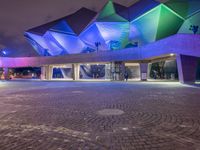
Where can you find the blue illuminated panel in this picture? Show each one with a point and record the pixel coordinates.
(72, 44)
(92, 35)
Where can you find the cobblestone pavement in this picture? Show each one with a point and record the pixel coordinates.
(99, 116)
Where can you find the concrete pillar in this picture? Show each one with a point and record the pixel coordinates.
(143, 71)
(43, 70)
(46, 72)
(187, 67)
(6, 73)
(49, 72)
(122, 71)
(76, 71)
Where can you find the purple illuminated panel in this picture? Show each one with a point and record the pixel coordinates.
(39, 39)
(116, 32)
(45, 44)
(92, 35)
(72, 44)
(62, 27)
(53, 45)
(36, 46)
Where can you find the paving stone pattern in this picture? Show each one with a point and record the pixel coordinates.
(99, 116)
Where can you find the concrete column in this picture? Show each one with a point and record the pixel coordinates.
(122, 71)
(46, 72)
(50, 74)
(6, 73)
(187, 67)
(43, 72)
(143, 71)
(76, 71)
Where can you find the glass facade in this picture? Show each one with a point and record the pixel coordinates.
(64, 72)
(163, 70)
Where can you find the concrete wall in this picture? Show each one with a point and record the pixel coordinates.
(185, 44)
(178, 45)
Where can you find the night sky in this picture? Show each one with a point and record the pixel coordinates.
(16, 16)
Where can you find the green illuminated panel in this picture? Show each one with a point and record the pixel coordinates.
(188, 25)
(108, 14)
(169, 23)
(107, 10)
(112, 18)
(114, 32)
(160, 22)
(185, 8)
(143, 29)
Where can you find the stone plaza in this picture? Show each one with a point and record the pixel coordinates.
(99, 116)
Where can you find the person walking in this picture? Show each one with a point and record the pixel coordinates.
(126, 76)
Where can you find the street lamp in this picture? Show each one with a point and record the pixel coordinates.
(3, 52)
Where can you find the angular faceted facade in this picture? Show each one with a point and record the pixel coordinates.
(157, 23)
(61, 37)
(108, 28)
(190, 11)
(185, 8)
(191, 25)
(115, 27)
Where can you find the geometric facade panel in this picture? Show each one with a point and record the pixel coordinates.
(141, 7)
(91, 36)
(115, 27)
(115, 34)
(144, 29)
(191, 25)
(169, 23)
(38, 42)
(107, 10)
(185, 8)
(62, 27)
(54, 47)
(66, 40)
(158, 23)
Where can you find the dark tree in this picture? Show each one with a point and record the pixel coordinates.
(194, 29)
(97, 44)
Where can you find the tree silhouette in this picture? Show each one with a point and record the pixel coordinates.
(194, 29)
(97, 44)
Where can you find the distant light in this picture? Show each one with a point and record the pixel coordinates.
(172, 54)
(125, 129)
(4, 52)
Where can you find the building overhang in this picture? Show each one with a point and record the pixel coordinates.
(179, 44)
